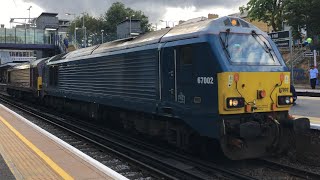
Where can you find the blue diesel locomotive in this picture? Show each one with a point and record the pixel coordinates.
(220, 79)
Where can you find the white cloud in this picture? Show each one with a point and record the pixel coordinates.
(168, 10)
(17, 9)
(174, 15)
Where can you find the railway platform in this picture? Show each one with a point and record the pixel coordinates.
(305, 90)
(308, 92)
(29, 152)
(314, 121)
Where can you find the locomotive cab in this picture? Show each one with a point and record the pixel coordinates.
(227, 80)
(254, 96)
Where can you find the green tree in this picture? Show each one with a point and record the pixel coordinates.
(107, 22)
(118, 13)
(304, 14)
(268, 11)
(92, 25)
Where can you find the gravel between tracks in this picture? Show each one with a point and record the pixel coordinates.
(309, 160)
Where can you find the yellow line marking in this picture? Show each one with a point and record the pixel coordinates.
(49, 161)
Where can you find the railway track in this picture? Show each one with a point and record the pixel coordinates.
(159, 165)
(287, 169)
(159, 162)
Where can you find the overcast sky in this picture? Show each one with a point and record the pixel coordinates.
(168, 10)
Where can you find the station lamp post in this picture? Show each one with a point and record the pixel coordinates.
(156, 26)
(130, 18)
(29, 9)
(168, 23)
(165, 22)
(75, 25)
(84, 30)
(95, 35)
(172, 23)
(102, 36)
(90, 40)
(75, 35)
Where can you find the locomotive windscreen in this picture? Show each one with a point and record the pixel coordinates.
(249, 49)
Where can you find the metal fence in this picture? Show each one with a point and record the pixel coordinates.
(26, 36)
(300, 76)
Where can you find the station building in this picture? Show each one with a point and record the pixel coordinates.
(31, 39)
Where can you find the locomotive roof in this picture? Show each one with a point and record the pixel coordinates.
(36, 62)
(148, 38)
(25, 65)
(183, 31)
(8, 65)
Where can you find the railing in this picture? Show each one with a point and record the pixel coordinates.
(23, 58)
(296, 58)
(26, 36)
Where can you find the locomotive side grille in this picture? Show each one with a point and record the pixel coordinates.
(131, 76)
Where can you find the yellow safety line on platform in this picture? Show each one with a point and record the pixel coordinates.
(52, 164)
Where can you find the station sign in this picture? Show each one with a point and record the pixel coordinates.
(281, 38)
(280, 35)
(310, 54)
(283, 43)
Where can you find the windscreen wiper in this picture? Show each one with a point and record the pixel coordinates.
(225, 47)
(225, 42)
(268, 50)
(265, 46)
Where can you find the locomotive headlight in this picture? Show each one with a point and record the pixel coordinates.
(230, 102)
(291, 100)
(285, 100)
(235, 102)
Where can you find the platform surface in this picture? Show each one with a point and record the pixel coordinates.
(314, 121)
(29, 152)
(5, 172)
(308, 90)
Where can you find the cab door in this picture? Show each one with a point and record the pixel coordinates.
(196, 78)
(168, 74)
(185, 75)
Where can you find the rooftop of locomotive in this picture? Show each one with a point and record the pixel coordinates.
(182, 31)
(36, 62)
(27, 65)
